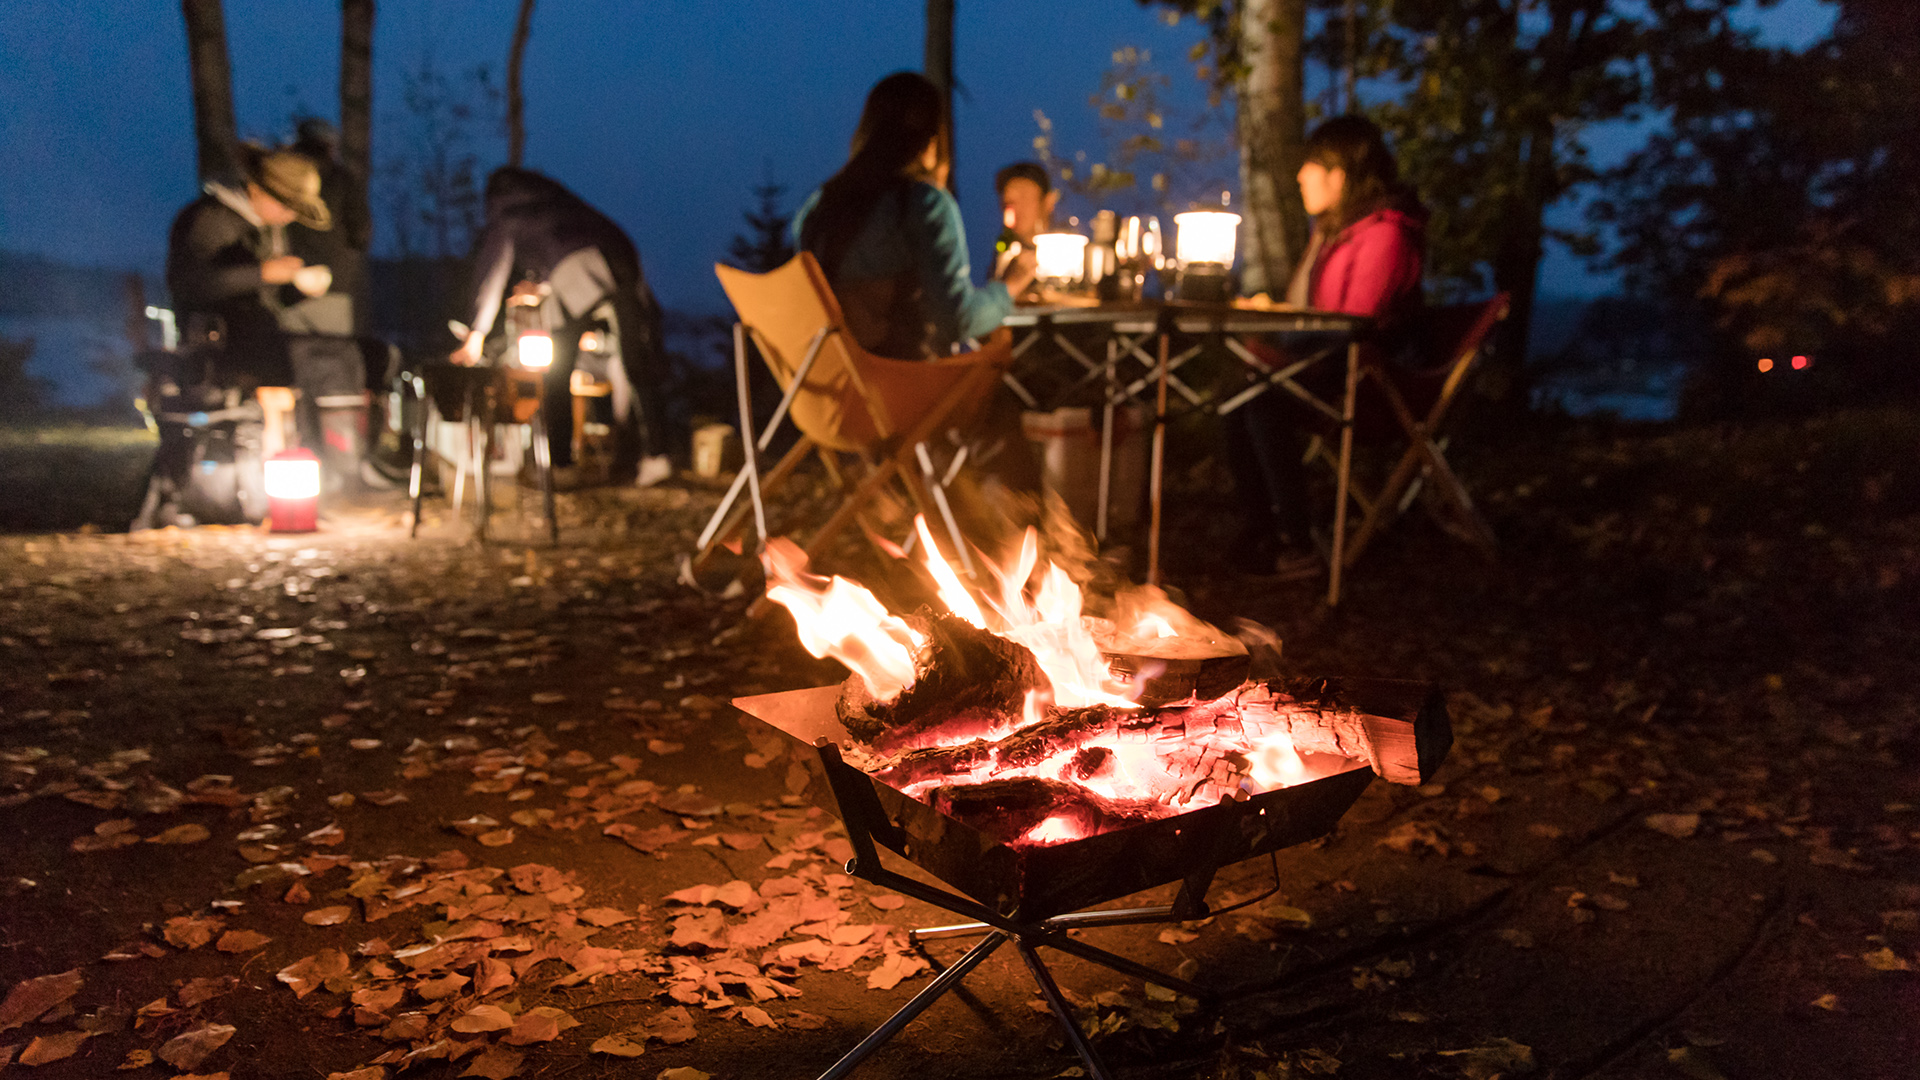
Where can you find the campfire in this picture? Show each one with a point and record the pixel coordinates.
(1016, 713)
(1042, 759)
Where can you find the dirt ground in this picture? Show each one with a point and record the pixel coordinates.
(351, 803)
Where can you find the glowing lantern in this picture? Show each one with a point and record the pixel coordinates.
(293, 491)
(1062, 257)
(1203, 248)
(536, 350)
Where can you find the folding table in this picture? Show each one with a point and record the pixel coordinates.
(1129, 371)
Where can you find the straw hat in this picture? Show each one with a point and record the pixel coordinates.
(292, 179)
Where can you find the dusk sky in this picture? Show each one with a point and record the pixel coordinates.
(663, 115)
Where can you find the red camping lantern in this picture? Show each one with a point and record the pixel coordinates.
(293, 490)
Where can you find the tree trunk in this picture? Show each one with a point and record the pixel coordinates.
(216, 135)
(516, 104)
(1272, 124)
(1516, 266)
(939, 63)
(356, 115)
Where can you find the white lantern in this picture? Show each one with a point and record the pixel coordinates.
(1062, 256)
(536, 350)
(293, 474)
(1205, 236)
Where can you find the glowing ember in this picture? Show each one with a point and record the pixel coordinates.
(1042, 741)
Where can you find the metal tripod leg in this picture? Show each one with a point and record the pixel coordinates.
(942, 983)
(1062, 1012)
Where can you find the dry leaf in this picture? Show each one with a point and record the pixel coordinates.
(619, 1046)
(1678, 826)
(491, 975)
(1503, 1057)
(497, 1063)
(47, 1048)
(309, 973)
(327, 916)
(191, 931)
(893, 969)
(887, 902)
(683, 1072)
(1173, 935)
(188, 1049)
(757, 1016)
(31, 999)
(136, 1059)
(496, 838)
(445, 986)
(241, 941)
(1829, 1002)
(181, 834)
(805, 1021)
(673, 1026)
(195, 991)
(483, 1018)
(1885, 959)
(605, 916)
(543, 1023)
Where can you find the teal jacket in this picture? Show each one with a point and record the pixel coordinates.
(905, 283)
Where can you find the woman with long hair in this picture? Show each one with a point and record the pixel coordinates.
(889, 235)
(1365, 257)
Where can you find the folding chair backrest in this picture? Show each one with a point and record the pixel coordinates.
(1450, 339)
(851, 400)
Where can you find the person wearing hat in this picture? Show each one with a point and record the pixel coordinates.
(228, 267)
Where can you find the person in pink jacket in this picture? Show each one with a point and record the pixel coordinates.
(1365, 257)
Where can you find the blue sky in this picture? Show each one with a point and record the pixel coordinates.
(661, 114)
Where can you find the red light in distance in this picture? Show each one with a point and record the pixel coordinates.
(1766, 364)
(1800, 363)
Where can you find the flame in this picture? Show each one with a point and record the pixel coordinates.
(1054, 830)
(1274, 763)
(1154, 625)
(840, 619)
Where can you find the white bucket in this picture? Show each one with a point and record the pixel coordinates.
(1068, 441)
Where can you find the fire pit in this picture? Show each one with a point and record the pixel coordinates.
(1041, 761)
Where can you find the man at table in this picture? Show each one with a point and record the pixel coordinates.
(1027, 199)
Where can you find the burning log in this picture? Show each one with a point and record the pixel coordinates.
(1398, 726)
(1041, 810)
(964, 678)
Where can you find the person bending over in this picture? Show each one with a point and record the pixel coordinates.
(536, 228)
(1365, 257)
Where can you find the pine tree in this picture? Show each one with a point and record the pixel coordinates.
(766, 245)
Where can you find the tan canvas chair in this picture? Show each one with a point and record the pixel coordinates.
(868, 418)
(1408, 409)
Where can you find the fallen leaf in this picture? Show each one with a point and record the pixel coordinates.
(188, 1049)
(888, 901)
(136, 1059)
(483, 1018)
(327, 916)
(1417, 834)
(1829, 1002)
(191, 931)
(496, 838)
(1885, 959)
(31, 999)
(1173, 935)
(543, 1023)
(757, 1016)
(605, 916)
(1503, 1057)
(309, 973)
(445, 986)
(195, 991)
(241, 941)
(181, 834)
(672, 1026)
(683, 1072)
(1692, 1062)
(1519, 939)
(496, 1063)
(893, 969)
(491, 975)
(619, 1046)
(47, 1048)
(1678, 826)
(804, 1021)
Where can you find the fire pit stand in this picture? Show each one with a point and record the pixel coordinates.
(1035, 896)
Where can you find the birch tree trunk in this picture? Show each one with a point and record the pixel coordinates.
(939, 63)
(1271, 125)
(216, 135)
(516, 103)
(356, 115)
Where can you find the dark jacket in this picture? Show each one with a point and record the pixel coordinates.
(343, 248)
(532, 224)
(213, 269)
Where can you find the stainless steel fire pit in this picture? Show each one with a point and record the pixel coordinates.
(1347, 730)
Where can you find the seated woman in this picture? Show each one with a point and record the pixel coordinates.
(1365, 258)
(889, 237)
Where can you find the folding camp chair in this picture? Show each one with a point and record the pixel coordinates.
(844, 401)
(1396, 405)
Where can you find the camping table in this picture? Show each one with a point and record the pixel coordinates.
(1129, 371)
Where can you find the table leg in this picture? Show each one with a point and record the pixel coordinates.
(1106, 448)
(1159, 464)
(1345, 475)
